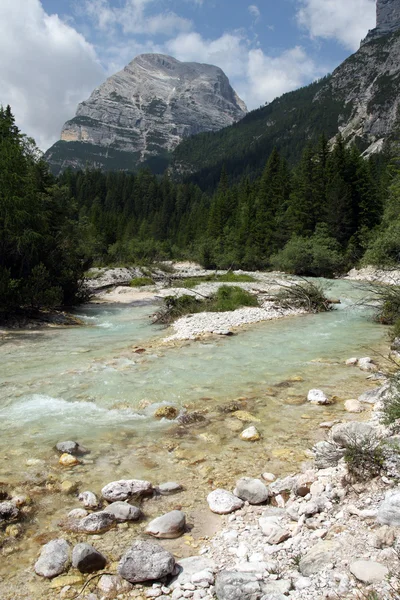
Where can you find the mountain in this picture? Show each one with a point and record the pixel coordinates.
(360, 99)
(139, 115)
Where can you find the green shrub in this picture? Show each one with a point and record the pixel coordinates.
(141, 281)
(387, 300)
(364, 458)
(384, 248)
(305, 295)
(391, 404)
(395, 330)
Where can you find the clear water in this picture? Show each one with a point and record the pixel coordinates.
(89, 384)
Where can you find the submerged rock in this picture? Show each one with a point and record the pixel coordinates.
(252, 490)
(146, 561)
(169, 488)
(122, 512)
(71, 448)
(168, 526)
(54, 559)
(223, 502)
(250, 435)
(68, 460)
(166, 412)
(126, 488)
(8, 511)
(87, 559)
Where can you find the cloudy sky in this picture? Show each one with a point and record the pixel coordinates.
(53, 53)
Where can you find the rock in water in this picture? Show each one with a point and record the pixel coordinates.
(250, 434)
(169, 526)
(223, 502)
(317, 397)
(68, 460)
(87, 559)
(122, 511)
(126, 488)
(8, 511)
(230, 585)
(96, 523)
(88, 499)
(54, 559)
(146, 561)
(145, 111)
(252, 490)
(169, 488)
(71, 448)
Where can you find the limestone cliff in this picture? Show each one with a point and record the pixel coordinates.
(142, 113)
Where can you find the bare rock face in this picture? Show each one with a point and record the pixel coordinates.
(387, 18)
(144, 111)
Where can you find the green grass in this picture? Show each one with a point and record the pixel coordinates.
(191, 282)
(227, 298)
(141, 281)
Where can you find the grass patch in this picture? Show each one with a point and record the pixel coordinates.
(191, 282)
(227, 298)
(305, 295)
(141, 281)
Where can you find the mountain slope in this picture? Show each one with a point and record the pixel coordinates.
(360, 99)
(142, 113)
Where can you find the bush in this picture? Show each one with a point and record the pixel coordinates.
(141, 281)
(364, 458)
(391, 403)
(305, 295)
(386, 300)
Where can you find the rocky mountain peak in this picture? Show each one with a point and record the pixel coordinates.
(387, 19)
(143, 112)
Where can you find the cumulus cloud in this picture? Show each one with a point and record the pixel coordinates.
(254, 11)
(343, 20)
(46, 68)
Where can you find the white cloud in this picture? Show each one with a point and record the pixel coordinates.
(254, 11)
(46, 68)
(346, 21)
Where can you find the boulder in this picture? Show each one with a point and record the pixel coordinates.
(223, 502)
(374, 395)
(96, 523)
(317, 397)
(122, 512)
(146, 561)
(251, 490)
(54, 559)
(169, 488)
(389, 509)
(190, 567)
(320, 556)
(345, 434)
(8, 511)
(273, 531)
(353, 406)
(126, 488)
(71, 448)
(87, 559)
(368, 571)
(268, 477)
(88, 499)
(231, 585)
(367, 364)
(168, 526)
(250, 435)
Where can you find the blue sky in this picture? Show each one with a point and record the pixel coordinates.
(53, 53)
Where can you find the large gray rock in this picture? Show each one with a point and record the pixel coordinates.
(251, 490)
(88, 499)
(317, 397)
(189, 567)
(374, 395)
(8, 511)
(320, 556)
(146, 109)
(54, 559)
(168, 526)
(230, 585)
(345, 434)
(87, 559)
(368, 571)
(274, 532)
(71, 448)
(122, 511)
(126, 488)
(169, 488)
(389, 510)
(96, 523)
(223, 502)
(146, 561)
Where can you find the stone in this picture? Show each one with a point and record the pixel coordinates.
(281, 586)
(168, 526)
(317, 397)
(8, 511)
(385, 537)
(71, 448)
(96, 523)
(166, 412)
(69, 487)
(274, 533)
(353, 406)
(126, 488)
(88, 499)
(250, 435)
(122, 512)
(368, 571)
(54, 559)
(367, 364)
(251, 490)
(68, 460)
(87, 559)
(389, 509)
(230, 585)
(77, 513)
(146, 561)
(352, 362)
(66, 580)
(268, 477)
(373, 396)
(319, 557)
(188, 567)
(246, 417)
(345, 434)
(112, 585)
(303, 483)
(169, 488)
(223, 502)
